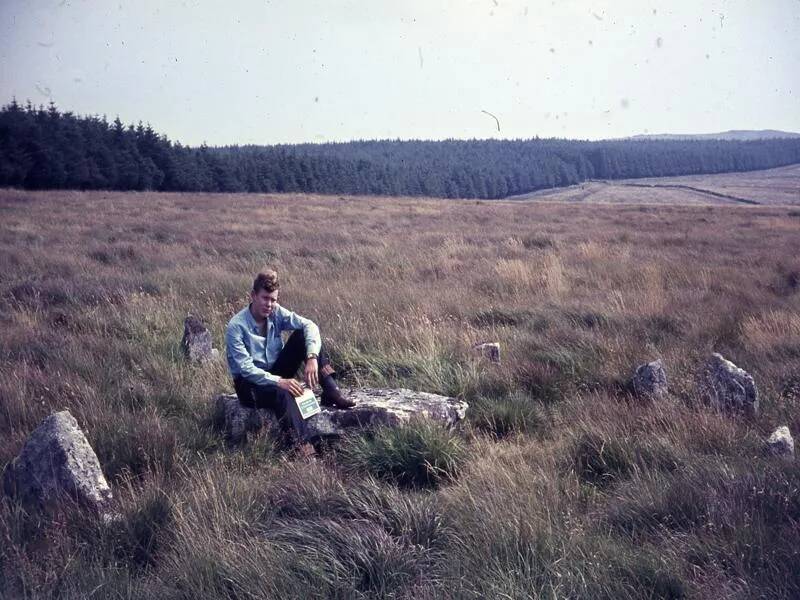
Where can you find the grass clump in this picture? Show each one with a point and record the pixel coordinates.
(633, 571)
(407, 515)
(300, 530)
(737, 519)
(588, 319)
(508, 317)
(502, 417)
(712, 495)
(420, 454)
(535, 241)
(602, 460)
(135, 444)
(347, 556)
(138, 538)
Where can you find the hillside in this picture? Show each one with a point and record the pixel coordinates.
(561, 485)
(779, 186)
(741, 135)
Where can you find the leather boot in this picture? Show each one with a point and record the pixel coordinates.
(332, 395)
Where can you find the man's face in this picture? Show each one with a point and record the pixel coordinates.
(263, 303)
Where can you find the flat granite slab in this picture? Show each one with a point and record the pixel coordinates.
(374, 407)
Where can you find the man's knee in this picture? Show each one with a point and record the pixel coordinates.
(285, 399)
(289, 409)
(297, 338)
(244, 391)
(297, 341)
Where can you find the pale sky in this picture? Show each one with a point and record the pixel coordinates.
(285, 71)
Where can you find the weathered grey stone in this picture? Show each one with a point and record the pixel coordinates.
(781, 443)
(388, 407)
(235, 421)
(196, 342)
(57, 459)
(730, 388)
(488, 350)
(650, 381)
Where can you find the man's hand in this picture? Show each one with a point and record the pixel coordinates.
(312, 376)
(291, 385)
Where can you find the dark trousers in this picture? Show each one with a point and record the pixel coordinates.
(278, 400)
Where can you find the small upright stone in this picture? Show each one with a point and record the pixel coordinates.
(730, 388)
(57, 459)
(196, 342)
(488, 350)
(650, 381)
(781, 443)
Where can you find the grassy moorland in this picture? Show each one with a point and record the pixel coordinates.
(780, 186)
(770, 186)
(559, 486)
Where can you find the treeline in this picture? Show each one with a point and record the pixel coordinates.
(42, 148)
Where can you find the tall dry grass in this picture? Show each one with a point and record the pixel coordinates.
(559, 486)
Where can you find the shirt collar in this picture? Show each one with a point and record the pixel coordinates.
(248, 317)
(251, 322)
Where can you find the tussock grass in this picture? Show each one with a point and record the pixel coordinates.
(417, 454)
(503, 416)
(560, 485)
(603, 460)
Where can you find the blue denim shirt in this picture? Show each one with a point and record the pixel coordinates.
(251, 355)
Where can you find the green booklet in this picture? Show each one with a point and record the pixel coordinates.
(307, 403)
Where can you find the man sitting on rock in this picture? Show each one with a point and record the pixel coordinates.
(263, 367)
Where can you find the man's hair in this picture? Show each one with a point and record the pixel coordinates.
(267, 281)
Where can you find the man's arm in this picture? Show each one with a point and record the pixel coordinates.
(291, 320)
(238, 355)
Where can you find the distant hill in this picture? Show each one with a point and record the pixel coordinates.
(734, 134)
